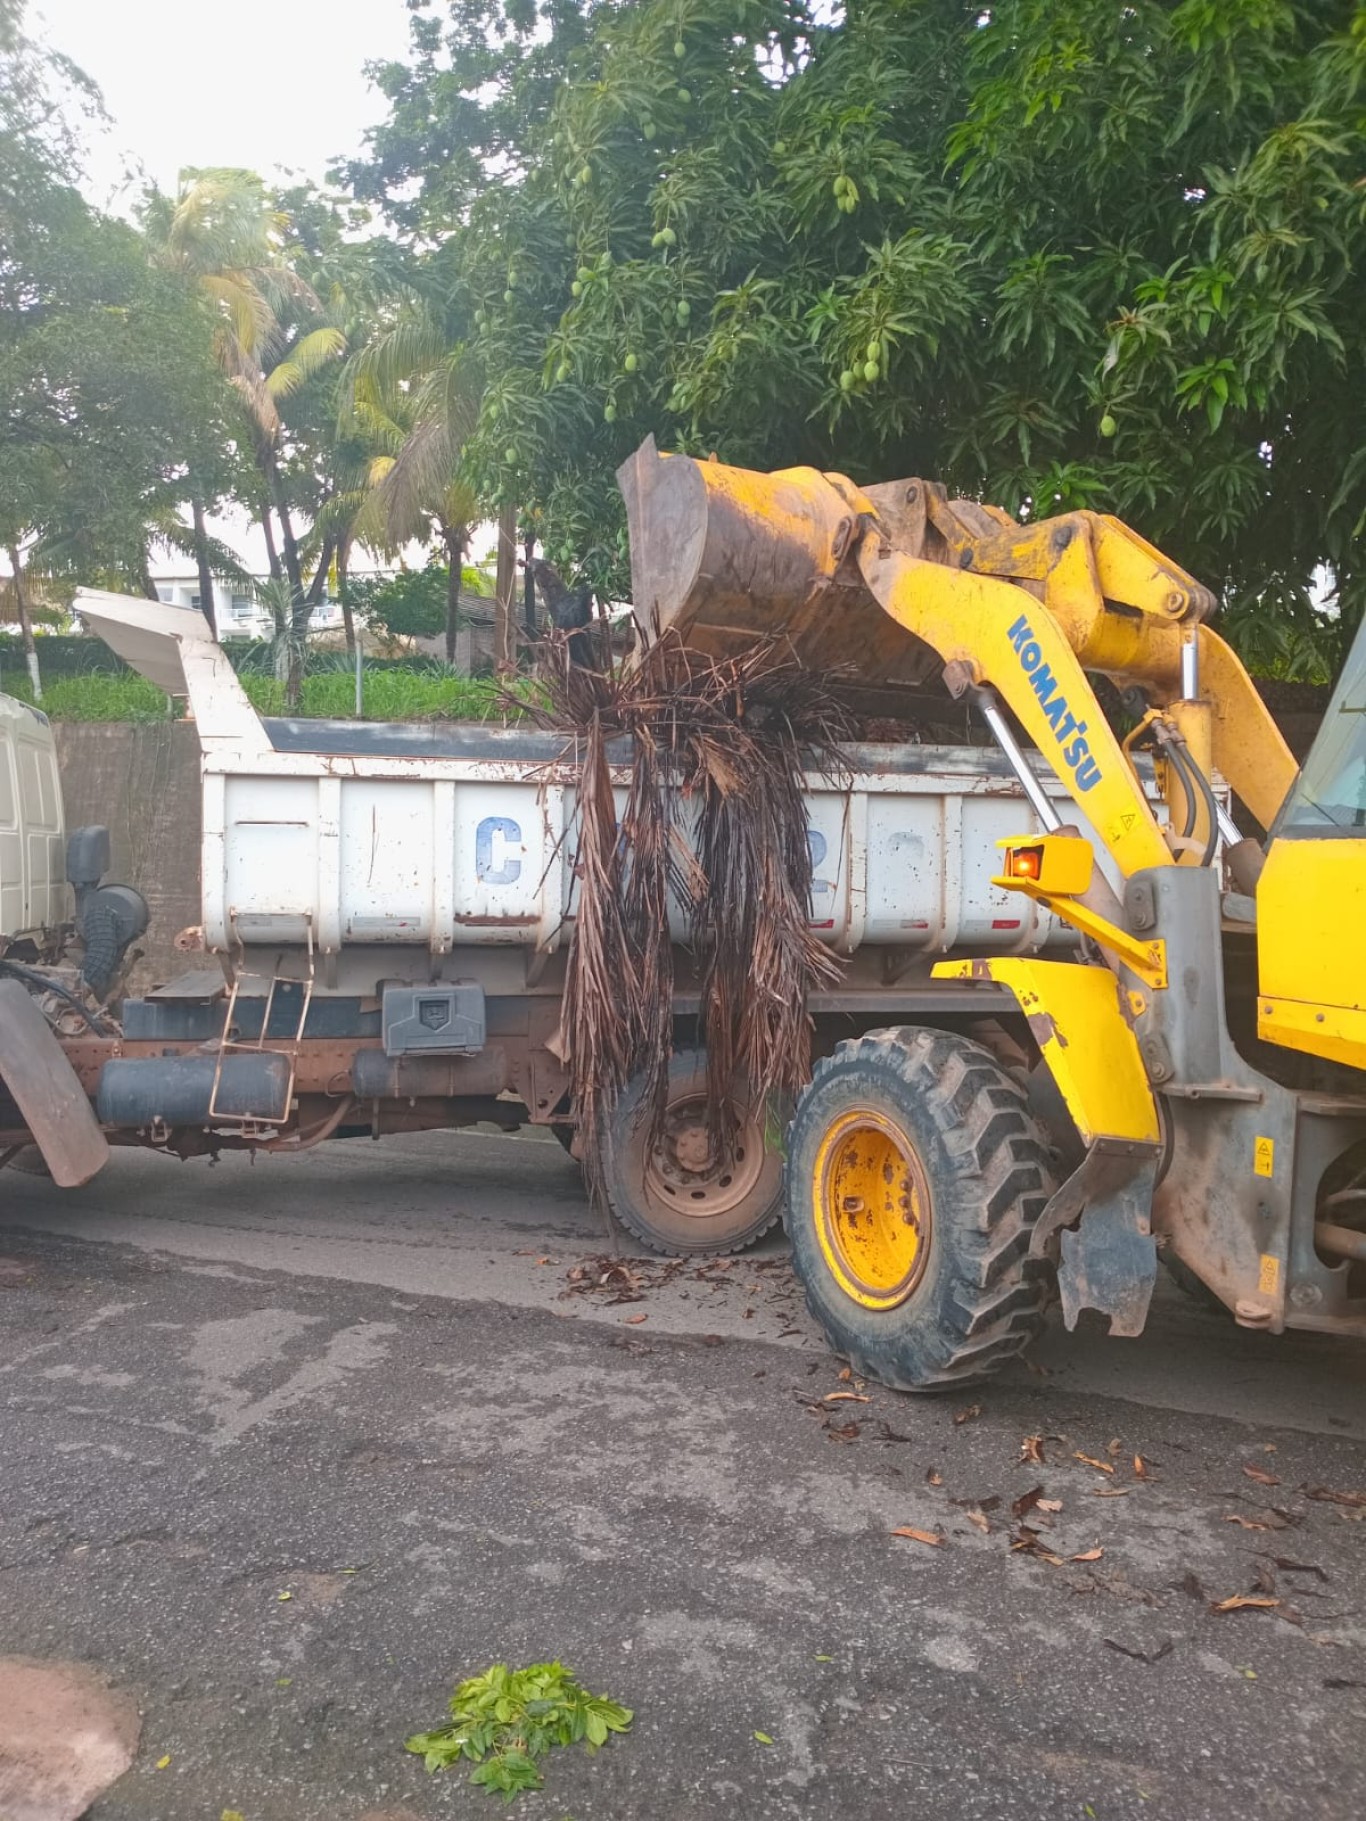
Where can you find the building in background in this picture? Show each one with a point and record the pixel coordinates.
(236, 611)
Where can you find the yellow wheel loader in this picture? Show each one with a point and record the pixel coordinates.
(1208, 1044)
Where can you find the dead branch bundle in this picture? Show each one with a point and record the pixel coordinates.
(713, 826)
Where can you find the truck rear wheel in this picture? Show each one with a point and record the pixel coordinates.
(678, 1195)
(915, 1177)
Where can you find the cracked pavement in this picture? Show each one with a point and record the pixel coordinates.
(366, 1381)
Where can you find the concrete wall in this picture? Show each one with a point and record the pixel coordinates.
(142, 782)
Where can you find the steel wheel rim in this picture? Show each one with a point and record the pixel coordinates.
(873, 1209)
(681, 1174)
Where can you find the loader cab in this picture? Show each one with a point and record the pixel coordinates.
(1311, 897)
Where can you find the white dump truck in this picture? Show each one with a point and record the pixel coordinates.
(386, 910)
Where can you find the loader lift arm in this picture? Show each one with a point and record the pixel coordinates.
(722, 553)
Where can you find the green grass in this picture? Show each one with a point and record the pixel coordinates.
(98, 696)
(387, 695)
(420, 694)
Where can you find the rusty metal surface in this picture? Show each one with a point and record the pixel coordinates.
(47, 1092)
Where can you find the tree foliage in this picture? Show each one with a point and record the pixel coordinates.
(408, 605)
(1057, 255)
(104, 367)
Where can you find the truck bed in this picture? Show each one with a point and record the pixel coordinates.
(339, 835)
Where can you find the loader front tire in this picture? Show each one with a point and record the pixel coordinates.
(915, 1176)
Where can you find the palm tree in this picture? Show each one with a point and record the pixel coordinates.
(223, 235)
(415, 397)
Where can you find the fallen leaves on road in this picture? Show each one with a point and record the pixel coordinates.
(1326, 1496)
(1141, 1468)
(968, 1415)
(934, 1477)
(1164, 1649)
(979, 1520)
(835, 1431)
(1088, 1555)
(1110, 1492)
(611, 1274)
(1089, 1460)
(1290, 1567)
(1239, 1602)
(1260, 1475)
(1027, 1541)
(634, 1321)
(1031, 1450)
(762, 1738)
(933, 1538)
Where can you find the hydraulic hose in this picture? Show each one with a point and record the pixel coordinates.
(1195, 781)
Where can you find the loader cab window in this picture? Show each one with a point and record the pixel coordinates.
(1329, 797)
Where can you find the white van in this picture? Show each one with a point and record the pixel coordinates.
(33, 893)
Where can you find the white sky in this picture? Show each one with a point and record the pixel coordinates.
(259, 83)
(267, 84)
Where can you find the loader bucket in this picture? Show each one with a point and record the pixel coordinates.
(723, 556)
(716, 546)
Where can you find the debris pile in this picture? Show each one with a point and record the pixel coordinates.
(714, 750)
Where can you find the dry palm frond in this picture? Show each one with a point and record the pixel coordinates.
(713, 824)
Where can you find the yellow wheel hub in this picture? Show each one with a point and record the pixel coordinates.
(872, 1206)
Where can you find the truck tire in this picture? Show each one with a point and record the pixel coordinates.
(915, 1177)
(674, 1196)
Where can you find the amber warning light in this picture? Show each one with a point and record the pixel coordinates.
(1024, 862)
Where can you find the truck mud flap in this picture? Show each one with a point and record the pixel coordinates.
(46, 1091)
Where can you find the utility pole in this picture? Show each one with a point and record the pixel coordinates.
(505, 589)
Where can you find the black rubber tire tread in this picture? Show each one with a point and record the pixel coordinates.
(104, 945)
(982, 1298)
(1191, 1285)
(564, 1136)
(629, 1203)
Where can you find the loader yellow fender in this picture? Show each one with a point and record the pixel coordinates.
(1075, 1015)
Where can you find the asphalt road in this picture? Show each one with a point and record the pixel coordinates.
(385, 1382)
